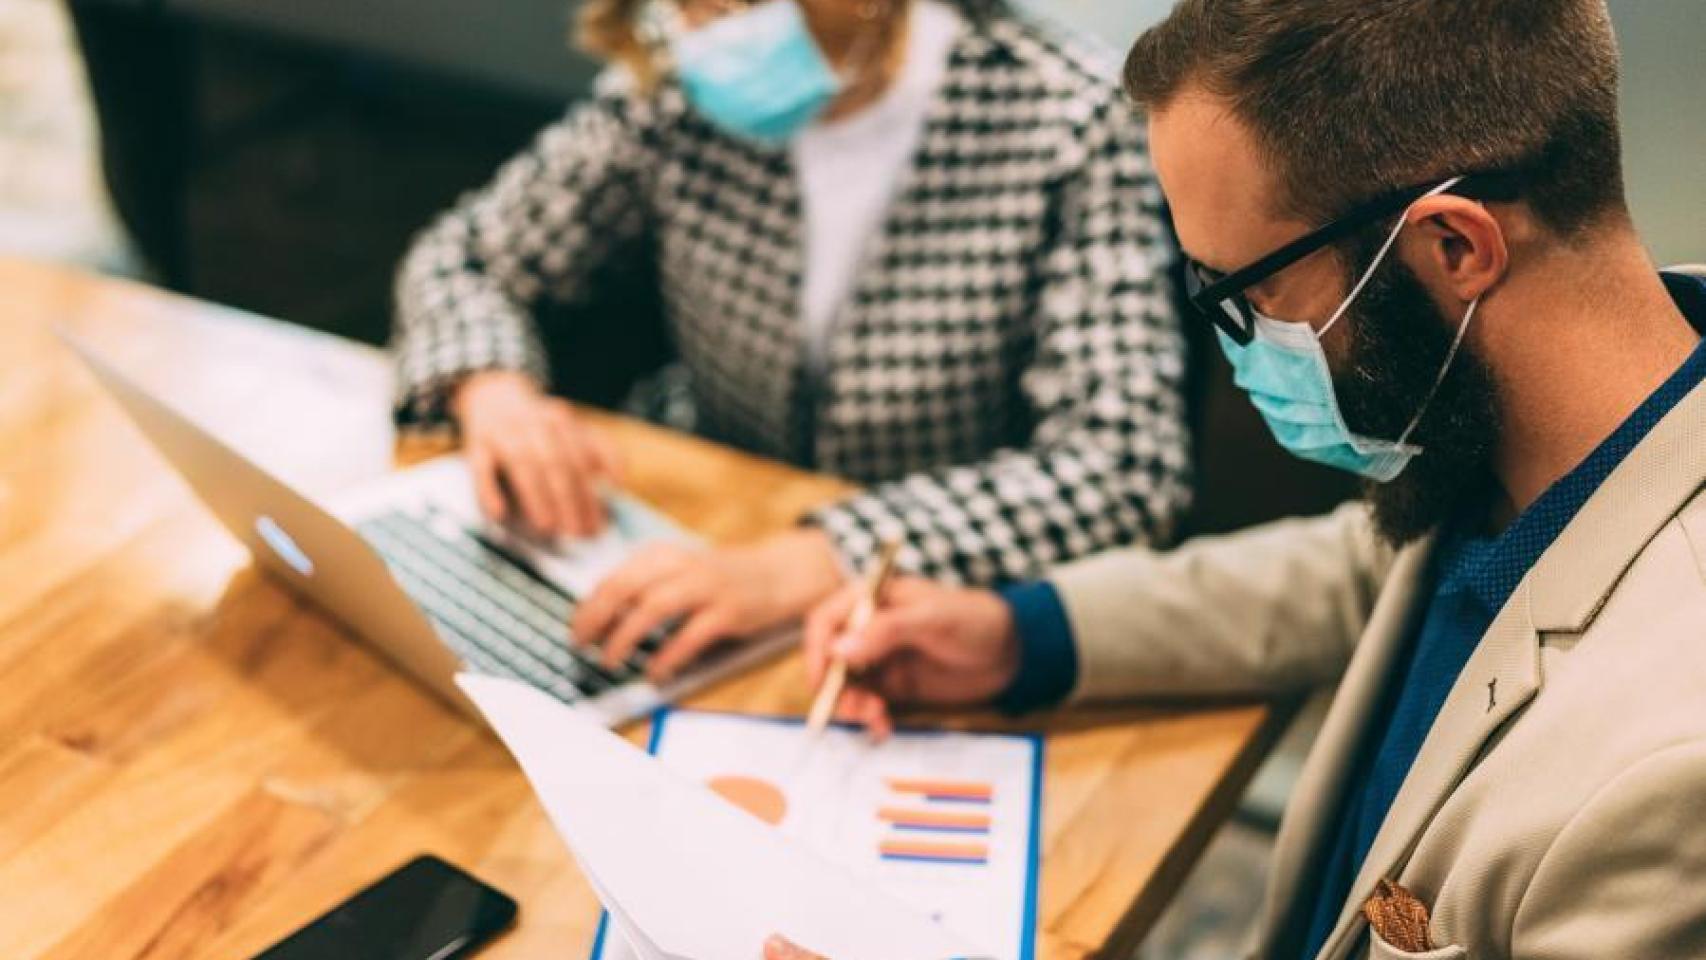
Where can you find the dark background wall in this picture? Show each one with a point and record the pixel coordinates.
(279, 157)
(283, 174)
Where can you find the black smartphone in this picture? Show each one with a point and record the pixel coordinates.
(426, 909)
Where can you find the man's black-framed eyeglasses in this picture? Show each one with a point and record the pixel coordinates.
(1220, 297)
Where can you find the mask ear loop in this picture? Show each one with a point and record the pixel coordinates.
(1444, 368)
(1380, 257)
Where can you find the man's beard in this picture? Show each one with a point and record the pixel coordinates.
(1398, 343)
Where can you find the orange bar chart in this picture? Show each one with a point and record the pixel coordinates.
(935, 820)
(919, 851)
(950, 790)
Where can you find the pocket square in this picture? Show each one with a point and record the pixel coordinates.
(1398, 917)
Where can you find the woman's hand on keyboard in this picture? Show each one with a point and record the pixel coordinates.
(532, 459)
(711, 594)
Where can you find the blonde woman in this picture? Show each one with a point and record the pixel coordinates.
(915, 243)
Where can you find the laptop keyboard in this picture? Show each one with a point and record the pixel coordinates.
(496, 613)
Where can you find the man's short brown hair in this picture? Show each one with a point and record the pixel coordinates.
(1350, 98)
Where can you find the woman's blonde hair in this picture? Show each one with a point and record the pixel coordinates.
(607, 29)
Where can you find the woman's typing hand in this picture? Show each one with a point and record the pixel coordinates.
(534, 462)
(709, 594)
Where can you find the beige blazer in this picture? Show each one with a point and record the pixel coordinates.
(1557, 810)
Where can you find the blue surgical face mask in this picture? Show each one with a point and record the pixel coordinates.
(1285, 372)
(757, 74)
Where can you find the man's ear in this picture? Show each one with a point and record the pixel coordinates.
(1456, 246)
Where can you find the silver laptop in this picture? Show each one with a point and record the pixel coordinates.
(410, 566)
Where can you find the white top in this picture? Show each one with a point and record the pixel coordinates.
(849, 170)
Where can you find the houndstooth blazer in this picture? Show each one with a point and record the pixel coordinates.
(1006, 375)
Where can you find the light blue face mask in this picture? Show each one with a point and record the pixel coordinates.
(757, 74)
(1285, 372)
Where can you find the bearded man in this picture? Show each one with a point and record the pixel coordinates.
(1407, 221)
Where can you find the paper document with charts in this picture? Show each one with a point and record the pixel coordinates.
(924, 848)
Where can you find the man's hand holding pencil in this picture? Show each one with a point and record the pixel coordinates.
(921, 644)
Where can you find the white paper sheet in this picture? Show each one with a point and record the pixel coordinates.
(835, 791)
(683, 870)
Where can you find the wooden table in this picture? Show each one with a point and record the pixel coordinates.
(193, 763)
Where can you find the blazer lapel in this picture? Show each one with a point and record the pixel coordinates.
(1658, 478)
(1565, 589)
(1322, 781)
(1501, 677)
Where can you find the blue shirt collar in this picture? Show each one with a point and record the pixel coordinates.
(1490, 568)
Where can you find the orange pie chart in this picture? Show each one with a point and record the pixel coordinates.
(758, 797)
